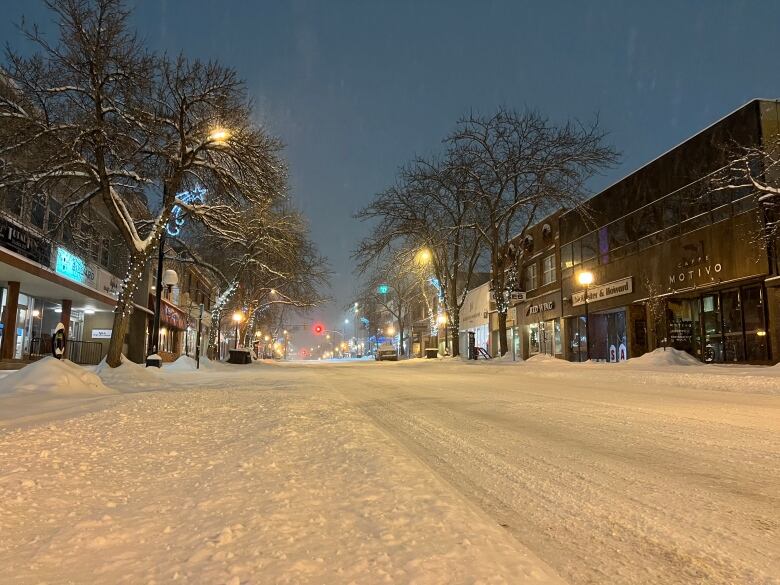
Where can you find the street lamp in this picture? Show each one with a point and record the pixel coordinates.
(237, 318)
(422, 257)
(585, 278)
(168, 278)
(219, 135)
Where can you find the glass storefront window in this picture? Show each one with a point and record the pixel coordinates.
(755, 324)
(533, 339)
(711, 329)
(733, 343)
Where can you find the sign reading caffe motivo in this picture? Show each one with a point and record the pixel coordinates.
(600, 292)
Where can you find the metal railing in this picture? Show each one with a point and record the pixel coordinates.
(88, 353)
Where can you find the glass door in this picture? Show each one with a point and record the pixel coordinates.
(711, 331)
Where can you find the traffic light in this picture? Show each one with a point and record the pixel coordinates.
(318, 329)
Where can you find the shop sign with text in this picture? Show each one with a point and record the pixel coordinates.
(539, 308)
(600, 292)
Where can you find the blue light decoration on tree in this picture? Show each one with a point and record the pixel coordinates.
(383, 289)
(175, 223)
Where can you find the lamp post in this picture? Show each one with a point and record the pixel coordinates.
(237, 318)
(167, 278)
(585, 278)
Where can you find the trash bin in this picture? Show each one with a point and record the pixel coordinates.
(431, 352)
(240, 356)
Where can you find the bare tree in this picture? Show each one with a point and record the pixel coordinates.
(656, 309)
(429, 208)
(135, 131)
(754, 169)
(394, 271)
(521, 167)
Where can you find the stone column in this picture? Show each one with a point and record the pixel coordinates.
(9, 325)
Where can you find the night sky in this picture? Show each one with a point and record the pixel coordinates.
(357, 88)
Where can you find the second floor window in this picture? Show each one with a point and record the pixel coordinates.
(548, 269)
(530, 277)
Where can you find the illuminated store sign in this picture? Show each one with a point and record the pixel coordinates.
(604, 291)
(71, 266)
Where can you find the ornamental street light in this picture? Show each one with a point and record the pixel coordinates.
(585, 278)
(422, 257)
(219, 135)
(237, 318)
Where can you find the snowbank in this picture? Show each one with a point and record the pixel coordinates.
(129, 376)
(55, 377)
(188, 364)
(661, 358)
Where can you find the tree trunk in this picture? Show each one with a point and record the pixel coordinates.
(455, 332)
(124, 307)
(503, 343)
(454, 321)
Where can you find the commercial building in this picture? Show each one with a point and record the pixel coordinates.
(474, 318)
(538, 317)
(664, 237)
(52, 273)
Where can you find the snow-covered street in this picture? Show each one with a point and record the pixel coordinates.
(410, 472)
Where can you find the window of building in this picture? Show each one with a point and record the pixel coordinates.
(548, 269)
(589, 246)
(55, 211)
(530, 277)
(38, 211)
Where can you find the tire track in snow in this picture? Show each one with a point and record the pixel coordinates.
(566, 514)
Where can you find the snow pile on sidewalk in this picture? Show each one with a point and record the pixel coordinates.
(188, 364)
(55, 377)
(129, 376)
(660, 358)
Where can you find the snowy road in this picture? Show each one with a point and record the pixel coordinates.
(605, 482)
(414, 472)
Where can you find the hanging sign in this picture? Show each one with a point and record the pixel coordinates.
(101, 334)
(600, 292)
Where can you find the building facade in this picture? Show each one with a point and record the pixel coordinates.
(538, 318)
(51, 273)
(664, 237)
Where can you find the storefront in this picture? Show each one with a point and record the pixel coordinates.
(721, 326)
(474, 319)
(540, 326)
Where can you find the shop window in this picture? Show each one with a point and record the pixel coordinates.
(712, 350)
(733, 342)
(755, 324)
(530, 277)
(548, 269)
(533, 339)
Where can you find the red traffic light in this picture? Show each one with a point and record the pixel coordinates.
(318, 329)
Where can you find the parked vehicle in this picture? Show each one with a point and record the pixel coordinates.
(386, 351)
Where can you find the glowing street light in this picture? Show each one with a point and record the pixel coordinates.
(423, 257)
(585, 278)
(391, 330)
(219, 135)
(238, 316)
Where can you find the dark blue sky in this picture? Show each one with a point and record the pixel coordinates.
(357, 88)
